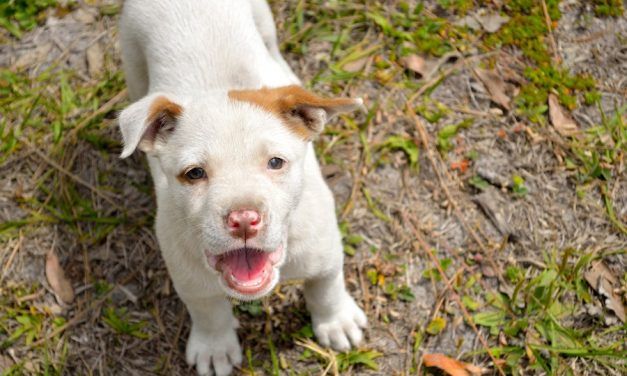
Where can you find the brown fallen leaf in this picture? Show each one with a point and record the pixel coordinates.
(356, 65)
(601, 279)
(95, 60)
(83, 16)
(425, 67)
(451, 366)
(491, 22)
(33, 57)
(470, 22)
(415, 64)
(57, 279)
(496, 86)
(563, 123)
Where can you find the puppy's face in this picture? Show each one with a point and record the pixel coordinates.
(234, 166)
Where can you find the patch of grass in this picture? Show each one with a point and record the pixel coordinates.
(118, 320)
(355, 358)
(306, 332)
(23, 323)
(44, 110)
(374, 205)
(437, 325)
(434, 273)
(254, 308)
(18, 16)
(531, 102)
(478, 182)
(527, 30)
(598, 153)
(351, 360)
(448, 132)
(20, 321)
(400, 292)
(537, 317)
(432, 110)
(405, 30)
(350, 240)
(404, 144)
(29, 327)
(598, 158)
(56, 100)
(608, 8)
(457, 6)
(518, 186)
(436, 36)
(275, 370)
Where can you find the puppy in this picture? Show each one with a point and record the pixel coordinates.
(241, 202)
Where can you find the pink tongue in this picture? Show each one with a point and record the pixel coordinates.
(245, 264)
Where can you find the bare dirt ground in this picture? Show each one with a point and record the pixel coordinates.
(499, 205)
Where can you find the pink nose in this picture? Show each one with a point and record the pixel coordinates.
(244, 223)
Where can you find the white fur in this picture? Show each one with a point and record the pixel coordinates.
(192, 52)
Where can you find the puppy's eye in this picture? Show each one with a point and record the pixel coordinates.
(275, 163)
(196, 173)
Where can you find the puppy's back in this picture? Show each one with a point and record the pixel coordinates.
(191, 45)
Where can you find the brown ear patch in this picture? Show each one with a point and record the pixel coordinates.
(164, 105)
(303, 112)
(162, 115)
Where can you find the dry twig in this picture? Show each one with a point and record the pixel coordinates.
(549, 27)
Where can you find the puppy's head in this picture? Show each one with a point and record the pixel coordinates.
(234, 168)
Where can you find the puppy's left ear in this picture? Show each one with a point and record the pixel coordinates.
(304, 112)
(147, 123)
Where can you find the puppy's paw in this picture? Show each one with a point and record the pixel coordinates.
(213, 353)
(341, 328)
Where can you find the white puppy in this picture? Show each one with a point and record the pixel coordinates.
(241, 201)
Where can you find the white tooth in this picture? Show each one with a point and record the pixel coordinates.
(253, 283)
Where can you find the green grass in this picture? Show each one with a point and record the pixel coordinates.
(404, 144)
(56, 100)
(527, 30)
(597, 157)
(118, 321)
(18, 16)
(44, 110)
(448, 132)
(538, 317)
(609, 8)
(21, 322)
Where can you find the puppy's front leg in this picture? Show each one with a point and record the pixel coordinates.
(213, 345)
(337, 320)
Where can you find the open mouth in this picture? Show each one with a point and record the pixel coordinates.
(248, 271)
